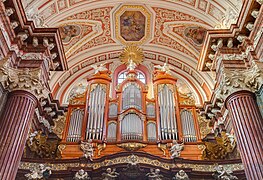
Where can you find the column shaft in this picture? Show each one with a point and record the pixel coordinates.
(248, 127)
(14, 127)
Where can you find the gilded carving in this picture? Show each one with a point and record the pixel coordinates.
(59, 125)
(131, 146)
(163, 148)
(133, 53)
(42, 146)
(204, 126)
(139, 160)
(220, 149)
(101, 147)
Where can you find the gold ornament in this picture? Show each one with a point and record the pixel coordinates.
(133, 53)
(131, 146)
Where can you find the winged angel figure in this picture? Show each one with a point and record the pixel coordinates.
(165, 68)
(99, 68)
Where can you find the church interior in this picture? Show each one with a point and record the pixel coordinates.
(119, 90)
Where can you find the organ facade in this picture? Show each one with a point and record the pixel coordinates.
(131, 90)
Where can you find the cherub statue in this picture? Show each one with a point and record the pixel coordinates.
(165, 68)
(181, 175)
(81, 175)
(154, 174)
(131, 65)
(222, 174)
(87, 148)
(41, 172)
(110, 174)
(99, 68)
(176, 149)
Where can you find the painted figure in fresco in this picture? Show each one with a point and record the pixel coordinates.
(196, 34)
(132, 25)
(68, 32)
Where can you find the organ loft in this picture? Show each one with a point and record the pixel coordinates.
(119, 90)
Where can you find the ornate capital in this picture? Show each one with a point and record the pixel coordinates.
(235, 80)
(25, 79)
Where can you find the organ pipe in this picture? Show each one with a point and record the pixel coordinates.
(131, 127)
(167, 113)
(97, 103)
(76, 119)
(188, 127)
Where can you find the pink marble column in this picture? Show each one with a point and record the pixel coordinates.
(14, 127)
(248, 127)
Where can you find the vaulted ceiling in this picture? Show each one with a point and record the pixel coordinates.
(94, 31)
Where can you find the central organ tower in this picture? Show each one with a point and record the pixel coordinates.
(129, 120)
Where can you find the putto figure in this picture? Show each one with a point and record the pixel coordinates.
(181, 175)
(222, 174)
(154, 174)
(176, 149)
(81, 175)
(87, 149)
(165, 68)
(99, 68)
(110, 174)
(41, 172)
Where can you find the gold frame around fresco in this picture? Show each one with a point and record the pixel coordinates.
(147, 15)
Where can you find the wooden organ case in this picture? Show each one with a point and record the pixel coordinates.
(131, 121)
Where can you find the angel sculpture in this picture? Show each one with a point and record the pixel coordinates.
(181, 175)
(87, 148)
(176, 149)
(110, 174)
(154, 174)
(222, 174)
(131, 65)
(41, 172)
(99, 68)
(165, 68)
(81, 175)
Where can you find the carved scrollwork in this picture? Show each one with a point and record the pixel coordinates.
(42, 146)
(131, 146)
(224, 145)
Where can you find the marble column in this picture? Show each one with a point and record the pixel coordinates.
(14, 127)
(248, 127)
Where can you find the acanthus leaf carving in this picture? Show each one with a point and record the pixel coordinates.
(23, 79)
(235, 80)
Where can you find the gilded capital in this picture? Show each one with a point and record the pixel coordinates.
(235, 80)
(22, 79)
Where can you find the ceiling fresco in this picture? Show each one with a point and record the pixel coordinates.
(132, 25)
(170, 31)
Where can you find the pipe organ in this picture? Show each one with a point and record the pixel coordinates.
(131, 116)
